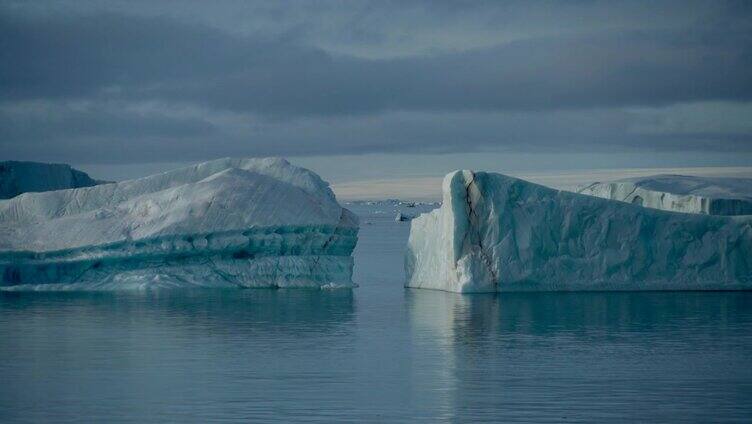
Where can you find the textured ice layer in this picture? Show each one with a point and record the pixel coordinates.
(680, 193)
(23, 177)
(229, 222)
(498, 233)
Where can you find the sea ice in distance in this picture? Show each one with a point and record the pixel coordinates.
(23, 177)
(498, 233)
(228, 222)
(680, 193)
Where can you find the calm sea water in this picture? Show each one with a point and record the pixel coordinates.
(377, 353)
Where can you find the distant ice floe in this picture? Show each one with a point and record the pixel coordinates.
(498, 233)
(228, 222)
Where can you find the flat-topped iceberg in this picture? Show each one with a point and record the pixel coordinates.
(680, 193)
(498, 233)
(24, 177)
(228, 222)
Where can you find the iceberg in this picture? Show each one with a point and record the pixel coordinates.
(23, 177)
(228, 222)
(680, 193)
(498, 233)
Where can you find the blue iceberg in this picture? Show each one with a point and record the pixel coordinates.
(228, 222)
(498, 233)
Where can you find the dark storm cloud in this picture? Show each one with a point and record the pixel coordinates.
(560, 132)
(148, 84)
(159, 59)
(97, 120)
(64, 57)
(628, 70)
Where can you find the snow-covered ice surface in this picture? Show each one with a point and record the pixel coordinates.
(498, 233)
(680, 193)
(228, 222)
(23, 177)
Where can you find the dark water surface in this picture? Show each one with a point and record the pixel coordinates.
(377, 353)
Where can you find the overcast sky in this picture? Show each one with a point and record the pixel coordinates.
(143, 82)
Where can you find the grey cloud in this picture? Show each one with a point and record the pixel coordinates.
(394, 28)
(38, 120)
(97, 131)
(73, 86)
(200, 134)
(73, 57)
(160, 59)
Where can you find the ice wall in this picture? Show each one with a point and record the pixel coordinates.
(680, 193)
(498, 233)
(229, 222)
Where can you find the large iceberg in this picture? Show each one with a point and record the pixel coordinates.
(680, 193)
(498, 233)
(23, 177)
(228, 222)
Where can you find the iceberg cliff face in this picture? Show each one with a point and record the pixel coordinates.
(498, 233)
(23, 177)
(229, 222)
(680, 193)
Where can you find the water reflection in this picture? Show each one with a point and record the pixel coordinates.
(558, 356)
(376, 354)
(581, 313)
(205, 307)
(169, 355)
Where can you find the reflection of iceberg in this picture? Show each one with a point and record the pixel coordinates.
(246, 313)
(473, 320)
(540, 357)
(432, 319)
(498, 233)
(246, 222)
(680, 193)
